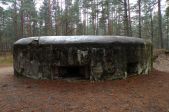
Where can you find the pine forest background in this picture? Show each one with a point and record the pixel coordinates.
(143, 19)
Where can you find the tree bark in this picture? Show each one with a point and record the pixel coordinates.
(84, 19)
(15, 21)
(109, 21)
(152, 27)
(160, 24)
(126, 25)
(139, 11)
(129, 16)
(167, 33)
(97, 17)
(49, 18)
(22, 20)
(29, 25)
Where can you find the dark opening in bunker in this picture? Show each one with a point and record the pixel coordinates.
(72, 72)
(132, 68)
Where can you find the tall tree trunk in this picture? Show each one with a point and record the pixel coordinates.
(97, 18)
(29, 25)
(126, 25)
(34, 30)
(160, 24)
(22, 20)
(56, 31)
(152, 27)
(49, 19)
(84, 20)
(139, 11)
(87, 22)
(93, 17)
(118, 23)
(61, 19)
(129, 18)
(3, 24)
(15, 20)
(113, 20)
(109, 26)
(109, 20)
(66, 18)
(167, 33)
(54, 3)
(116, 18)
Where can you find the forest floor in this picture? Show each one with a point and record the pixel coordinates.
(144, 93)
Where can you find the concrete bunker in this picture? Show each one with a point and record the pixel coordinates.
(82, 57)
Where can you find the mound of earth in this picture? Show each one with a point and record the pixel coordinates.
(161, 60)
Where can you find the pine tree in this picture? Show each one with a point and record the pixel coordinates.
(160, 24)
(45, 16)
(126, 24)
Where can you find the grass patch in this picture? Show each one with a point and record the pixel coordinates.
(6, 60)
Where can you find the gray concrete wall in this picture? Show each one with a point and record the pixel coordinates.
(98, 61)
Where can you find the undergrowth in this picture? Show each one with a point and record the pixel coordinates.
(6, 59)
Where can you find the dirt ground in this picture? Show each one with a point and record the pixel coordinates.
(146, 93)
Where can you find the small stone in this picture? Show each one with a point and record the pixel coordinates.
(28, 86)
(4, 85)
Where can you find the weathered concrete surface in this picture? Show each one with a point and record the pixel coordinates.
(91, 57)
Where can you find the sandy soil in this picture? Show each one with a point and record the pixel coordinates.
(146, 93)
(6, 70)
(161, 62)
